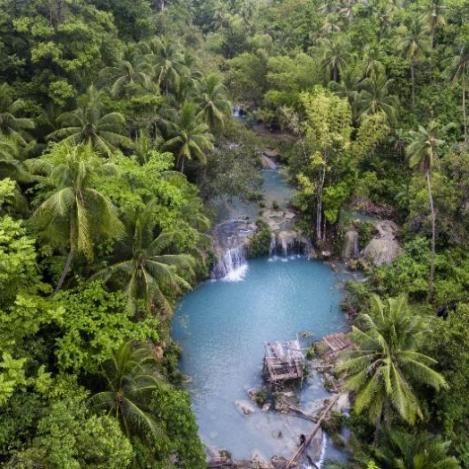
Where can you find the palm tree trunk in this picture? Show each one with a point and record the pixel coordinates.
(433, 215)
(412, 78)
(464, 111)
(68, 264)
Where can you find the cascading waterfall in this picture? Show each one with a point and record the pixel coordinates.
(232, 264)
(230, 240)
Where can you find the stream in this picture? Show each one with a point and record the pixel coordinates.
(223, 324)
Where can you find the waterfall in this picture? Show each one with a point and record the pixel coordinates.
(231, 264)
(230, 240)
(289, 243)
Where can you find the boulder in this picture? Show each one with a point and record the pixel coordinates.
(245, 407)
(351, 250)
(279, 462)
(383, 248)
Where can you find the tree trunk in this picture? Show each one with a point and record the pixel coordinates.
(66, 270)
(319, 234)
(433, 215)
(464, 111)
(412, 78)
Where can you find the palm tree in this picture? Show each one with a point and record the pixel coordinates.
(74, 213)
(334, 56)
(375, 97)
(148, 271)
(11, 124)
(88, 124)
(434, 18)
(11, 164)
(211, 97)
(167, 61)
(124, 76)
(459, 70)
(349, 88)
(131, 378)
(188, 136)
(421, 153)
(401, 450)
(414, 45)
(387, 362)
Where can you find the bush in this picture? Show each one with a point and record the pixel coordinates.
(259, 245)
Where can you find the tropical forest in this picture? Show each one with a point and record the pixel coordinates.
(234, 234)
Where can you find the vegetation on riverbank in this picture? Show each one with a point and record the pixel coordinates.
(114, 131)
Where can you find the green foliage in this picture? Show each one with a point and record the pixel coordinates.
(259, 244)
(388, 363)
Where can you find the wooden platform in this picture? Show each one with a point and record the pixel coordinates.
(284, 361)
(337, 343)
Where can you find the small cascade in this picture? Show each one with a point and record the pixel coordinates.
(230, 240)
(288, 243)
(351, 250)
(231, 264)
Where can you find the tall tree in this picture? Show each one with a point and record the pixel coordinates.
(388, 362)
(212, 99)
(74, 212)
(434, 17)
(414, 46)
(131, 377)
(90, 124)
(149, 269)
(188, 137)
(421, 152)
(375, 97)
(11, 122)
(335, 56)
(459, 70)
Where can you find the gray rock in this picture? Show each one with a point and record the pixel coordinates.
(383, 248)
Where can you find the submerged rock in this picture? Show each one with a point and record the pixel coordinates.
(259, 461)
(383, 248)
(245, 407)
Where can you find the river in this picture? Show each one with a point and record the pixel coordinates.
(222, 327)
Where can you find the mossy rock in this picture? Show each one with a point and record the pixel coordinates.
(259, 244)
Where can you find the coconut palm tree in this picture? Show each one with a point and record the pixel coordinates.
(402, 450)
(89, 124)
(212, 98)
(388, 362)
(188, 137)
(459, 70)
(375, 97)
(414, 45)
(131, 378)
(434, 18)
(124, 76)
(335, 56)
(148, 270)
(167, 62)
(421, 152)
(74, 212)
(349, 87)
(11, 124)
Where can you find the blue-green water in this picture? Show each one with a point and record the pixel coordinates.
(222, 327)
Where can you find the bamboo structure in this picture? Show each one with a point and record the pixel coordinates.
(284, 361)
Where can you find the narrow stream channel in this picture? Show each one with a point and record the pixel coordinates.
(222, 327)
